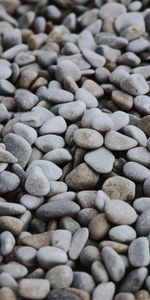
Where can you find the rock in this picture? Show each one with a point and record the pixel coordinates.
(82, 178)
(11, 209)
(143, 223)
(102, 122)
(21, 95)
(122, 234)
(111, 55)
(65, 68)
(56, 125)
(6, 294)
(61, 239)
(7, 242)
(99, 227)
(19, 147)
(86, 215)
(51, 171)
(136, 172)
(72, 111)
(113, 263)
(12, 224)
(26, 255)
(69, 224)
(118, 142)
(138, 252)
(49, 142)
(57, 96)
(58, 209)
(58, 156)
(130, 19)
(120, 212)
(37, 183)
(140, 155)
(94, 59)
(118, 247)
(38, 240)
(84, 281)
(15, 269)
(86, 97)
(92, 87)
(78, 242)
(31, 202)
(49, 257)
(122, 99)
(25, 131)
(135, 85)
(118, 187)
(62, 295)
(60, 277)
(100, 200)
(80, 293)
(141, 204)
(34, 288)
(124, 296)
(5, 71)
(86, 198)
(120, 120)
(129, 59)
(146, 186)
(134, 280)
(8, 182)
(104, 290)
(137, 134)
(99, 272)
(142, 104)
(101, 160)
(89, 255)
(88, 138)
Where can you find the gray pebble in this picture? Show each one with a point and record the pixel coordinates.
(19, 147)
(20, 97)
(138, 252)
(6, 87)
(8, 182)
(6, 280)
(118, 142)
(137, 134)
(66, 68)
(85, 215)
(24, 58)
(13, 51)
(120, 212)
(88, 138)
(37, 183)
(62, 295)
(141, 204)
(122, 234)
(7, 242)
(57, 96)
(135, 85)
(110, 54)
(11, 209)
(113, 263)
(99, 272)
(83, 281)
(31, 202)
(49, 257)
(93, 58)
(51, 171)
(130, 59)
(105, 290)
(140, 155)
(56, 125)
(58, 156)
(100, 200)
(102, 122)
(61, 239)
(111, 40)
(25, 131)
(143, 223)
(27, 256)
(72, 111)
(49, 142)
(133, 281)
(130, 19)
(101, 160)
(60, 277)
(142, 104)
(136, 171)
(138, 45)
(120, 119)
(5, 71)
(89, 255)
(86, 97)
(124, 296)
(78, 242)
(15, 269)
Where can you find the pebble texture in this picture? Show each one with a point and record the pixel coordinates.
(74, 150)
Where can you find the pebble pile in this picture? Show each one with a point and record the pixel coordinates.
(74, 149)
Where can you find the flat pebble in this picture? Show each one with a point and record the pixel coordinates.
(146, 186)
(89, 255)
(88, 138)
(49, 257)
(93, 58)
(122, 234)
(78, 242)
(101, 160)
(120, 119)
(138, 252)
(136, 172)
(34, 288)
(58, 156)
(11, 209)
(120, 212)
(57, 96)
(60, 277)
(118, 142)
(15, 269)
(118, 187)
(135, 85)
(102, 122)
(137, 134)
(113, 263)
(86, 97)
(61, 238)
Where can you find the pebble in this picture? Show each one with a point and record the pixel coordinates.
(99, 272)
(137, 134)
(105, 290)
(89, 255)
(122, 99)
(25, 131)
(134, 280)
(50, 256)
(101, 160)
(57, 209)
(57, 96)
(58, 156)
(102, 122)
(116, 141)
(140, 155)
(146, 186)
(99, 227)
(60, 277)
(6, 280)
(66, 68)
(8, 182)
(27, 256)
(37, 240)
(122, 234)
(85, 215)
(19, 147)
(138, 45)
(56, 125)
(142, 104)
(36, 183)
(94, 59)
(78, 242)
(93, 88)
(135, 85)
(72, 111)
(61, 238)
(15, 269)
(142, 224)
(111, 55)
(34, 288)
(84, 281)
(6, 294)
(11, 209)
(130, 59)
(124, 296)
(119, 187)
(136, 172)
(49, 142)
(138, 252)
(7, 242)
(141, 204)
(86, 97)
(31, 202)
(50, 170)
(120, 212)
(143, 70)
(88, 138)
(113, 263)
(120, 120)
(5, 71)
(12, 224)
(82, 178)
(62, 295)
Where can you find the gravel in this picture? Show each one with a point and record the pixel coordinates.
(74, 150)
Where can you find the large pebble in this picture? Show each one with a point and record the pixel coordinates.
(88, 138)
(140, 155)
(49, 142)
(135, 85)
(60, 277)
(118, 187)
(51, 170)
(27, 256)
(118, 142)
(120, 212)
(66, 68)
(20, 97)
(31, 202)
(130, 19)
(61, 238)
(99, 227)
(138, 252)
(49, 257)
(11, 209)
(15, 269)
(142, 104)
(86, 97)
(102, 122)
(56, 125)
(141, 204)
(57, 96)
(34, 288)
(99, 272)
(113, 263)
(122, 234)
(12, 224)
(136, 172)
(25, 131)
(7, 242)
(101, 160)
(62, 295)
(104, 290)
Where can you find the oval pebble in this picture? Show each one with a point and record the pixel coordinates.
(138, 252)
(101, 160)
(78, 242)
(120, 212)
(60, 276)
(49, 257)
(113, 263)
(88, 138)
(34, 288)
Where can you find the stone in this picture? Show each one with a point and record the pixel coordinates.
(99, 272)
(7, 242)
(138, 252)
(94, 59)
(27, 256)
(80, 293)
(11, 209)
(12, 224)
(101, 160)
(61, 238)
(124, 296)
(89, 255)
(49, 142)
(92, 87)
(119, 187)
(57, 96)
(146, 186)
(25, 131)
(111, 55)
(116, 141)
(122, 233)
(130, 59)
(15, 269)
(122, 99)
(58, 156)
(105, 290)
(137, 134)
(34, 288)
(113, 263)
(60, 277)
(142, 104)
(6, 294)
(78, 242)
(38, 240)
(50, 170)
(136, 172)
(141, 204)
(100, 200)
(99, 227)
(56, 125)
(19, 147)
(120, 120)
(66, 68)
(82, 178)
(86, 97)
(69, 224)
(49, 257)
(37, 183)
(62, 295)
(88, 138)
(102, 122)
(120, 248)
(20, 97)
(130, 19)
(142, 224)
(72, 111)
(133, 281)
(57, 209)
(8, 182)
(135, 85)
(143, 70)
(140, 155)
(31, 202)
(120, 212)
(85, 215)
(84, 281)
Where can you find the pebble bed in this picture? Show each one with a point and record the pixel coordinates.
(74, 150)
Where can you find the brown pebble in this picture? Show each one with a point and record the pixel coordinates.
(118, 247)
(142, 295)
(99, 227)
(83, 295)
(7, 294)
(11, 224)
(38, 240)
